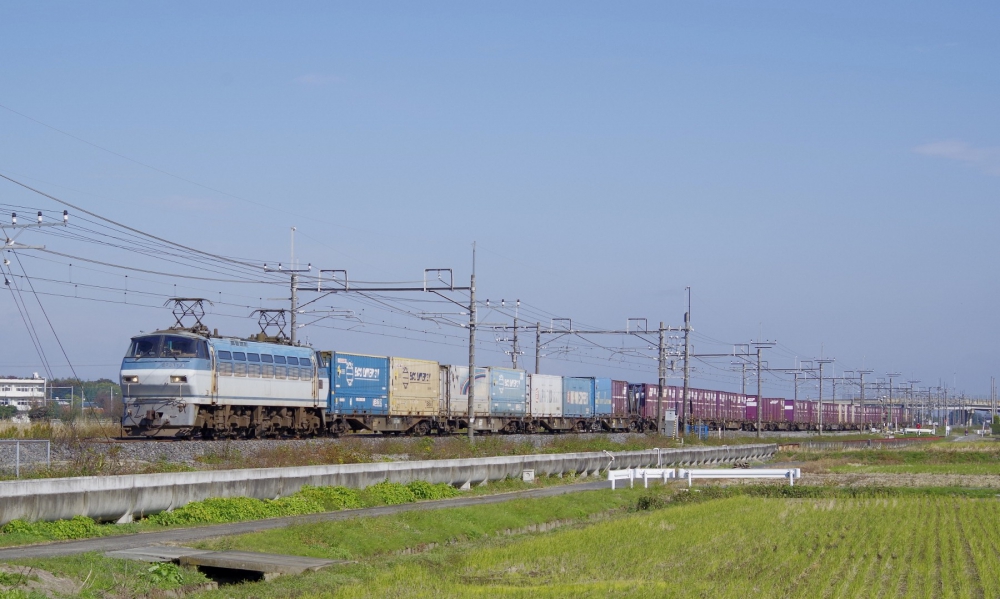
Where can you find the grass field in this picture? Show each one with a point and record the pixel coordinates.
(357, 539)
(759, 541)
(944, 457)
(906, 546)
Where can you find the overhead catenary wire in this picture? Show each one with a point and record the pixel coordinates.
(46, 315)
(26, 318)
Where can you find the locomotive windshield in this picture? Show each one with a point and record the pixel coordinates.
(167, 346)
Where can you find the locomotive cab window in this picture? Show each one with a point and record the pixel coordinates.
(145, 347)
(183, 347)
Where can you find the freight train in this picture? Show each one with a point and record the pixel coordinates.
(183, 383)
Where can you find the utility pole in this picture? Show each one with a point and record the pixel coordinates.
(294, 275)
(947, 414)
(890, 376)
(821, 362)
(863, 373)
(538, 347)
(909, 395)
(688, 409)
(472, 347)
(515, 348)
(662, 382)
(760, 345)
(993, 399)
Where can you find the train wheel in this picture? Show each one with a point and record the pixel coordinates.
(421, 428)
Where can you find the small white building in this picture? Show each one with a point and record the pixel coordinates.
(22, 393)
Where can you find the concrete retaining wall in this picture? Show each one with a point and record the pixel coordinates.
(121, 498)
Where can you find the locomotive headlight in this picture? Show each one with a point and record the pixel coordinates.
(178, 379)
(130, 379)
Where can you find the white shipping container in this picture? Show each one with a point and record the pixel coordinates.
(456, 391)
(546, 392)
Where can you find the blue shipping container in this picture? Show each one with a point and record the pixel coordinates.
(508, 392)
(602, 396)
(359, 384)
(578, 397)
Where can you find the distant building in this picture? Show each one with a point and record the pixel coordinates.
(22, 393)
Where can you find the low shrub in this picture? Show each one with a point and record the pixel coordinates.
(387, 493)
(79, 527)
(425, 490)
(333, 498)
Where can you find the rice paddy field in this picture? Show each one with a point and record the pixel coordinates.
(736, 547)
(855, 535)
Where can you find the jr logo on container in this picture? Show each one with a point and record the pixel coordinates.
(346, 369)
(414, 377)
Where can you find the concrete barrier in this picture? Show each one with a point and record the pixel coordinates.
(122, 498)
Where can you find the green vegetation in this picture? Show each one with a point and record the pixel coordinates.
(383, 535)
(759, 541)
(934, 458)
(309, 500)
(93, 576)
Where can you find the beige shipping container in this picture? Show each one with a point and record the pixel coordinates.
(414, 387)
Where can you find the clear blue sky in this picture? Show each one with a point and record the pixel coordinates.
(825, 176)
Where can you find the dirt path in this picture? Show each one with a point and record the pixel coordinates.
(186, 535)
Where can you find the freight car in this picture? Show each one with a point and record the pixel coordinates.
(187, 382)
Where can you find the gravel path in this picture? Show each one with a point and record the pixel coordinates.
(186, 535)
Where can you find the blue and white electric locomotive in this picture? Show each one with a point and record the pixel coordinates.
(187, 382)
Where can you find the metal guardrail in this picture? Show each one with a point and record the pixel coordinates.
(631, 474)
(27, 451)
(665, 474)
(788, 473)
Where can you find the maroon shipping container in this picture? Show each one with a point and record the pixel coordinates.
(673, 398)
(739, 406)
(773, 409)
(646, 397)
(803, 413)
(712, 398)
(697, 403)
(751, 410)
(829, 414)
(619, 398)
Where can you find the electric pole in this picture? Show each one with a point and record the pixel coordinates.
(890, 376)
(760, 345)
(688, 410)
(663, 381)
(821, 361)
(294, 275)
(515, 348)
(472, 347)
(538, 347)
